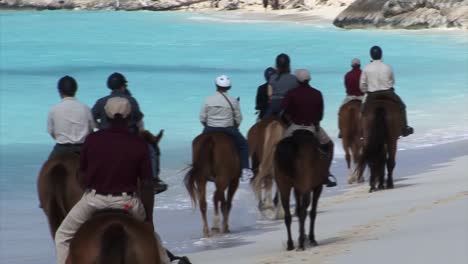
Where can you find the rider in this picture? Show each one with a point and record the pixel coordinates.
(351, 81)
(70, 121)
(280, 83)
(110, 182)
(377, 79)
(118, 84)
(262, 100)
(303, 106)
(221, 113)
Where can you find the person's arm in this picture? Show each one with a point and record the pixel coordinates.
(320, 107)
(391, 77)
(237, 112)
(146, 184)
(91, 122)
(96, 112)
(363, 82)
(136, 112)
(50, 124)
(204, 114)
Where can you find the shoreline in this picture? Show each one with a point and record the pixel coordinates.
(260, 241)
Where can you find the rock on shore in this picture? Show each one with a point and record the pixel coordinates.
(407, 14)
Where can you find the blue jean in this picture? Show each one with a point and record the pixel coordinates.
(239, 140)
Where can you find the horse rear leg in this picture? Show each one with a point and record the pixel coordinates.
(392, 149)
(218, 197)
(268, 192)
(285, 193)
(228, 205)
(304, 202)
(313, 214)
(202, 201)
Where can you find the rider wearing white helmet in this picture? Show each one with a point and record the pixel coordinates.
(221, 113)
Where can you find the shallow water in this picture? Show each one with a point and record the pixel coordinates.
(170, 60)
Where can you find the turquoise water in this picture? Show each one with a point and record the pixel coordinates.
(171, 60)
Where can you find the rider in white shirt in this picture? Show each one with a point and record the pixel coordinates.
(70, 121)
(377, 79)
(221, 113)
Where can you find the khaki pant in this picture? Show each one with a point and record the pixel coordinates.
(321, 135)
(85, 208)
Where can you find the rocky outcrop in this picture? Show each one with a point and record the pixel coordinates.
(156, 5)
(408, 14)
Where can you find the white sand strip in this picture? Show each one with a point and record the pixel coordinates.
(423, 220)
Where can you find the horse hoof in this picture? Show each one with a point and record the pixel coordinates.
(290, 246)
(313, 243)
(361, 180)
(381, 187)
(215, 229)
(299, 249)
(226, 231)
(390, 186)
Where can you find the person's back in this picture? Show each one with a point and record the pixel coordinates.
(218, 111)
(304, 105)
(113, 156)
(118, 86)
(262, 99)
(280, 84)
(70, 121)
(352, 79)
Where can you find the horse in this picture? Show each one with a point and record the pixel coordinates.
(349, 123)
(114, 236)
(214, 158)
(262, 139)
(382, 126)
(299, 165)
(59, 186)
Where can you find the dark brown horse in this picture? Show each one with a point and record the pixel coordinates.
(114, 237)
(262, 139)
(300, 166)
(382, 126)
(349, 123)
(215, 158)
(59, 186)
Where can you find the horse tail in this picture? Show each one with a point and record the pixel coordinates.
(285, 155)
(375, 146)
(196, 170)
(273, 134)
(114, 241)
(56, 203)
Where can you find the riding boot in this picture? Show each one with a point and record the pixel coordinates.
(407, 130)
(159, 186)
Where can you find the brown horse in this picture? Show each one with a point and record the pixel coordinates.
(262, 139)
(349, 123)
(382, 126)
(114, 237)
(299, 165)
(215, 158)
(59, 186)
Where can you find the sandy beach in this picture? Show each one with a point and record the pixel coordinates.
(423, 220)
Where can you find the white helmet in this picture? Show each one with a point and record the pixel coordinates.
(223, 81)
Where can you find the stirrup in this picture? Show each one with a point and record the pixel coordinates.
(407, 131)
(159, 186)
